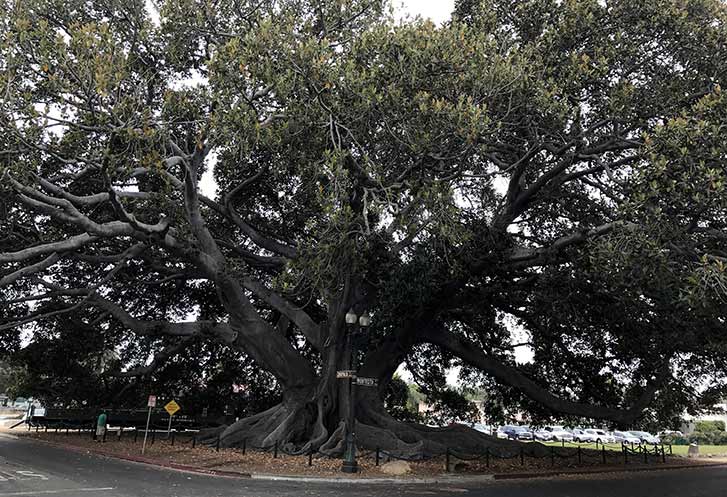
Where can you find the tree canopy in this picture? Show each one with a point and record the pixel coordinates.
(556, 167)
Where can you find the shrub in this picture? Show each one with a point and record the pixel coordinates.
(701, 438)
(709, 426)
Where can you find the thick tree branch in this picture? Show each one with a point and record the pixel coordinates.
(510, 375)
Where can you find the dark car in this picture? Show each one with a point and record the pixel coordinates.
(517, 432)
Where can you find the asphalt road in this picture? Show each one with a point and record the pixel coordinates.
(35, 469)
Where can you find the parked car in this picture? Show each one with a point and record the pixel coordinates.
(542, 434)
(646, 437)
(601, 436)
(501, 433)
(625, 437)
(516, 432)
(580, 435)
(558, 434)
(487, 429)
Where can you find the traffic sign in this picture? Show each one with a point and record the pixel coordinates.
(172, 407)
(367, 382)
(346, 373)
(152, 402)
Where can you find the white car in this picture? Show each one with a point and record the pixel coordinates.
(559, 434)
(583, 436)
(624, 437)
(486, 429)
(601, 436)
(646, 437)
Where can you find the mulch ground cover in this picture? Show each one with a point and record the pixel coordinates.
(253, 461)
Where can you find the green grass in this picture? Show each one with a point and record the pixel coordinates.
(681, 450)
(592, 445)
(677, 450)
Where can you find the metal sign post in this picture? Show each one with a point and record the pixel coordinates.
(172, 407)
(151, 403)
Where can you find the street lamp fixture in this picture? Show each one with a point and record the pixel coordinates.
(352, 323)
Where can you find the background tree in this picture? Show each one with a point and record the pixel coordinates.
(453, 182)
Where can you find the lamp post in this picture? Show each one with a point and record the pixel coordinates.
(355, 326)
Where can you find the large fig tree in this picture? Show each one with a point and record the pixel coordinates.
(246, 172)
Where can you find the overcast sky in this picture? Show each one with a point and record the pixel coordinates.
(436, 10)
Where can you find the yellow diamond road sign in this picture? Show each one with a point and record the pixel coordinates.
(172, 407)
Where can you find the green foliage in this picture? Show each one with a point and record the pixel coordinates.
(550, 166)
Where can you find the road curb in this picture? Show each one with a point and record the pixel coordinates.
(443, 479)
(640, 469)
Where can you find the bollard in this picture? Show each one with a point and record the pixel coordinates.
(217, 445)
(244, 446)
(310, 457)
(194, 442)
(552, 455)
(487, 457)
(522, 456)
(446, 460)
(580, 456)
(378, 455)
(603, 453)
(275, 450)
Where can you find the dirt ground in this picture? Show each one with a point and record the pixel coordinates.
(253, 461)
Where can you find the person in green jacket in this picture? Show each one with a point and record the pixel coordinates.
(101, 426)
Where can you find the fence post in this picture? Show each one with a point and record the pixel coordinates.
(625, 450)
(217, 444)
(552, 455)
(103, 440)
(68, 430)
(580, 457)
(37, 428)
(522, 456)
(173, 435)
(194, 441)
(487, 457)
(153, 436)
(121, 432)
(663, 455)
(310, 456)
(378, 455)
(244, 446)
(446, 460)
(646, 454)
(562, 442)
(136, 434)
(603, 453)
(275, 449)
(46, 428)
(670, 449)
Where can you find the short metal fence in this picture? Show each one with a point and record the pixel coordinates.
(575, 455)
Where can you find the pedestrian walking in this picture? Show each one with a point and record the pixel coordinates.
(101, 426)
